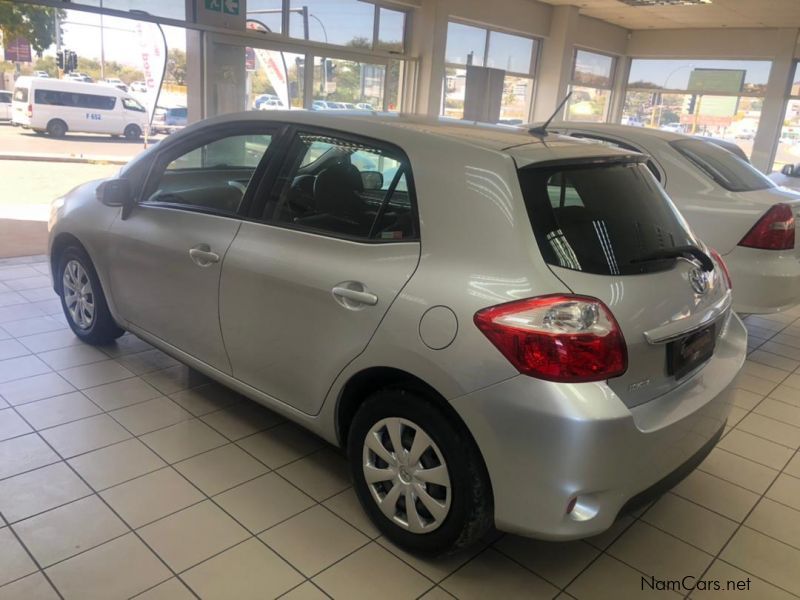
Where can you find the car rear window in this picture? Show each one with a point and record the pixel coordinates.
(604, 219)
(724, 167)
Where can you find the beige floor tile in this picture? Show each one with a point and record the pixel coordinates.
(193, 535)
(793, 381)
(772, 430)
(24, 453)
(605, 539)
(320, 475)
(123, 393)
(741, 471)
(793, 468)
(735, 584)
(147, 361)
(115, 464)
(15, 271)
(29, 283)
(220, 469)
(263, 502)
(780, 411)
(773, 360)
(14, 561)
(786, 394)
(34, 388)
(32, 587)
(438, 568)
(305, 591)
(764, 557)
(152, 496)
(735, 415)
(241, 420)
(183, 440)
(691, 523)
(85, 435)
(36, 491)
(31, 326)
(757, 385)
(436, 593)
(69, 530)
(491, 574)
(9, 298)
(717, 495)
(73, 356)
(12, 349)
(18, 313)
(372, 572)
(150, 415)
(95, 374)
(776, 520)
(50, 340)
(247, 571)
(280, 445)
(50, 307)
(656, 553)
(175, 379)
(347, 506)
(557, 562)
(743, 398)
(12, 425)
(172, 589)
(333, 540)
(782, 350)
(127, 344)
(58, 409)
(786, 490)
(207, 398)
(120, 568)
(21, 367)
(609, 579)
(756, 449)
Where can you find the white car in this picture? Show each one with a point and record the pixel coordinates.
(789, 176)
(729, 204)
(271, 104)
(5, 106)
(139, 87)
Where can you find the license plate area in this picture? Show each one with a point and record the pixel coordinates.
(688, 353)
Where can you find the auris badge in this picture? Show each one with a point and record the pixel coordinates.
(698, 280)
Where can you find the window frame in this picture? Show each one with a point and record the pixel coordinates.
(165, 155)
(269, 190)
(576, 84)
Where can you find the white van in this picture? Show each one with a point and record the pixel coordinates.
(58, 106)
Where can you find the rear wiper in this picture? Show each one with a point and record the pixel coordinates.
(681, 252)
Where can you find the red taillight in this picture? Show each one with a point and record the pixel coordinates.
(30, 110)
(562, 338)
(774, 231)
(721, 262)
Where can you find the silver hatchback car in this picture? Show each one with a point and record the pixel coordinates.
(498, 327)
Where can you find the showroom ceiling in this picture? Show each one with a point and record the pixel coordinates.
(669, 15)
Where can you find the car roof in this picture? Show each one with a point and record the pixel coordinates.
(516, 141)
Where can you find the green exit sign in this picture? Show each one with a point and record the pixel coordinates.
(228, 7)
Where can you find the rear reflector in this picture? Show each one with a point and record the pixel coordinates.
(563, 338)
(722, 265)
(30, 110)
(773, 231)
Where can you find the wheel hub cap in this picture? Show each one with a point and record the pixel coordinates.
(78, 295)
(407, 475)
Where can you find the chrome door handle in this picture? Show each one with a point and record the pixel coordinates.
(355, 295)
(203, 256)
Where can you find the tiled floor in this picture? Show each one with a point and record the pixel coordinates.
(124, 474)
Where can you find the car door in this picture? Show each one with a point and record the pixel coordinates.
(5, 105)
(304, 288)
(168, 253)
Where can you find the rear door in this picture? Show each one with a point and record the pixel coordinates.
(608, 230)
(305, 285)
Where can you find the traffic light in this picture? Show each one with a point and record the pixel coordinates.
(692, 104)
(60, 59)
(330, 69)
(73, 60)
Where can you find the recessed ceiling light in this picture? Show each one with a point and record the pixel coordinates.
(665, 2)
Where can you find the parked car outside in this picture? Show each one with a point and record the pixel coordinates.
(563, 348)
(117, 83)
(262, 99)
(365, 106)
(271, 104)
(728, 203)
(5, 105)
(41, 74)
(788, 176)
(169, 120)
(138, 87)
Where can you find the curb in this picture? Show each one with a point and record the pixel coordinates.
(96, 160)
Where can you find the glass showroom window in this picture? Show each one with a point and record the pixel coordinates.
(591, 83)
(514, 54)
(719, 98)
(789, 142)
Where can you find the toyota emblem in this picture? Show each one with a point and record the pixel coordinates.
(698, 280)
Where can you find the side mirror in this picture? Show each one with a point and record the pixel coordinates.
(789, 170)
(116, 192)
(372, 180)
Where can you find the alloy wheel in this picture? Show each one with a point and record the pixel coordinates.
(78, 294)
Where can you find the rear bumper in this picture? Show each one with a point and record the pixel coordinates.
(764, 281)
(546, 443)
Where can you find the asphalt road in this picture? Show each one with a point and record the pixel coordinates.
(17, 140)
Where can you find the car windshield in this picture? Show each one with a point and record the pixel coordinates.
(607, 219)
(727, 169)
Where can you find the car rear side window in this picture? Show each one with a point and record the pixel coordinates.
(21, 94)
(724, 167)
(604, 219)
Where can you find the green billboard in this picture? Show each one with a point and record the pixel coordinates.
(716, 81)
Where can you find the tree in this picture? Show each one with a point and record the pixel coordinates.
(34, 23)
(176, 66)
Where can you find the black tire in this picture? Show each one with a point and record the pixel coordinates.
(133, 132)
(102, 329)
(471, 510)
(57, 128)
